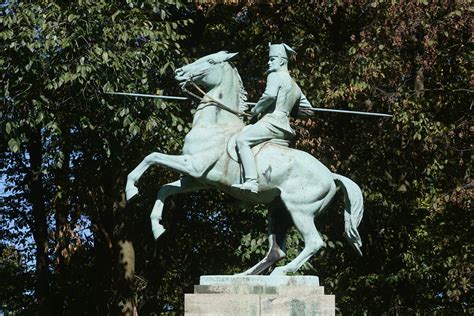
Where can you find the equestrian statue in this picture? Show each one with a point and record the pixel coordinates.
(253, 163)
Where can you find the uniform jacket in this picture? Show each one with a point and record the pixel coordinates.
(281, 95)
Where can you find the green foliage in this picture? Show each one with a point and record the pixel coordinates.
(411, 61)
(58, 59)
(14, 281)
(414, 169)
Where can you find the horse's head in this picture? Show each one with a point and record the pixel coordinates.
(223, 82)
(208, 70)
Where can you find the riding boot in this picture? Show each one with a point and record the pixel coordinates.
(250, 170)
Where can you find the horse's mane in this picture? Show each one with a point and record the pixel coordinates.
(243, 106)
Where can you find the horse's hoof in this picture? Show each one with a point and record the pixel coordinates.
(158, 231)
(131, 192)
(278, 271)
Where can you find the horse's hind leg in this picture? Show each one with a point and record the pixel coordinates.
(185, 184)
(304, 222)
(279, 222)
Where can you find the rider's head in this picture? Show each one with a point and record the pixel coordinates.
(278, 57)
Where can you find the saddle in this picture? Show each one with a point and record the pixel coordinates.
(232, 148)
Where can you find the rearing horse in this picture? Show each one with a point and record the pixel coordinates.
(293, 184)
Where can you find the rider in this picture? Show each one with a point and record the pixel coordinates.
(275, 105)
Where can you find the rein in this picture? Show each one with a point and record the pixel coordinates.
(215, 102)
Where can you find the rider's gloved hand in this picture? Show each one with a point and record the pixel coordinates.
(254, 118)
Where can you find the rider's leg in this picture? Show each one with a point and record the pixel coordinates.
(248, 162)
(250, 136)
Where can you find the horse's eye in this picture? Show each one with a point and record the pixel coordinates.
(211, 61)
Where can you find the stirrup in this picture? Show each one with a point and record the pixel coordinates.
(248, 185)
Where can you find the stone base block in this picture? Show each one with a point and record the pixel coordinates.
(259, 295)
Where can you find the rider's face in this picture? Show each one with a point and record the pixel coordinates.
(274, 63)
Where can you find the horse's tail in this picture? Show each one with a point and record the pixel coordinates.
(354, 210)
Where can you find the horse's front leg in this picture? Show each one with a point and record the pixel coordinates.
(184, 164)
(185, 184)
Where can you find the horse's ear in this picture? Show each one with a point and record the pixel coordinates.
(231, 56)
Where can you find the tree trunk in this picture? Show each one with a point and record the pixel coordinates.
(103, 269)
(127, 270)
(125, 260)
(62, 234)
(40, 229)
(115, 254)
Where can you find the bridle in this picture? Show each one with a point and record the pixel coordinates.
(213, 102)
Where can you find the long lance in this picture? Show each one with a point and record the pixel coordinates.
(172, 97)
(141, 95)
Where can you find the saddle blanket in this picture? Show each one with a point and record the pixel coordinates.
(232, 149)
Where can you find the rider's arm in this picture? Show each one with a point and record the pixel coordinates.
(269, 96)
(304, 107)
(304, 102)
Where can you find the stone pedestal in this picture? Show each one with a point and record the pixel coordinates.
(259, 295)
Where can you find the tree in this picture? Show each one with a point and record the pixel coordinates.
(70, 145)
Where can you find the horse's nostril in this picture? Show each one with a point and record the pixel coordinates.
(179, 71)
